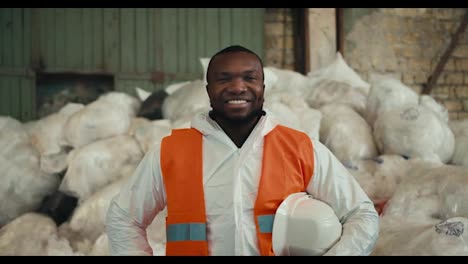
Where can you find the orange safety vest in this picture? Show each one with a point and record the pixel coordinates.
(287, 168)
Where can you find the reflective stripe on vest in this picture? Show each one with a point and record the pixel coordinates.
(265, 223)
(188, 231)
(287, 167)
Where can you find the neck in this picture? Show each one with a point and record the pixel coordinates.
(237, 131)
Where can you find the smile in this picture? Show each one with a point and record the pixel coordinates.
(236, 101)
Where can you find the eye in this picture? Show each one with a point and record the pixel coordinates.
(250, 78)
(223, 79)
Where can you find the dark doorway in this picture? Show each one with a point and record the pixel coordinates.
(300, 33)
(55, 90)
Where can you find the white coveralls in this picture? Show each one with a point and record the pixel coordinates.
(231, 178)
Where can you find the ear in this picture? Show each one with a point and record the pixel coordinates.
(208, 93)
(209, 96)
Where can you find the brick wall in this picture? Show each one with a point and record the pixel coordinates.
(279, 42)
(408, 43)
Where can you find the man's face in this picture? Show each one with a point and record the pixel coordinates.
(235, 86)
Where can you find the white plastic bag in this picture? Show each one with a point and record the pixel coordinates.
(98, 164)
(414, 131)
(110, 115)
(387, 93)
(346, 133)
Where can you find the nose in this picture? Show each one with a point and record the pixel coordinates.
(237, 85)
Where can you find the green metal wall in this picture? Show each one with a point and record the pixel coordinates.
(145, 47)
(17, 95)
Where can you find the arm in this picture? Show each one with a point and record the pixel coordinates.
(333, 184)
(135, 207)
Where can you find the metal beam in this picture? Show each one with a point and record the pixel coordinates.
(432, 80)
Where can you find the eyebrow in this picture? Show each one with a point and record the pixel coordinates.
(250, 72)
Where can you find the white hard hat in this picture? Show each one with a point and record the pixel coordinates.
(304, 226)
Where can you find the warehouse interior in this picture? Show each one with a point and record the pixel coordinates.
(86, 93)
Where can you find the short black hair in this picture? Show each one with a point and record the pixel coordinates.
(234, 48)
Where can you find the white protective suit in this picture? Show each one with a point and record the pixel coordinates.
(231, 179)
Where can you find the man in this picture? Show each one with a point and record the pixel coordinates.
(223, 178)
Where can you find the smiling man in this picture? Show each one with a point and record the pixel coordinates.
(223, 179)
(235, 87)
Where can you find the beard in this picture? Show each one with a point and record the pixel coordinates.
(215, 114)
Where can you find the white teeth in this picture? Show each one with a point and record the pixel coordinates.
(237, 101)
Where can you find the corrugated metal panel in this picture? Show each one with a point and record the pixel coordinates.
(111, 40)
(145, 47)
(183, 35)
(16, 81)
(142, 40)
(58, 37)
(88, 43)
(7, 36)
(17, 97)
(98, 37)
(127, 40)
(27, 99)
(5, 93)
(48, 37)
(27, 42)
(191, 45)
(17, 37)
(200, 32)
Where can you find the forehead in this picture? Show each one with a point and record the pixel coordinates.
(235, 61)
